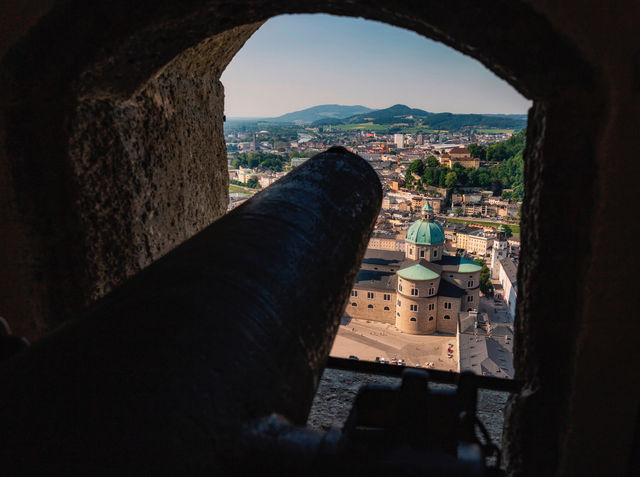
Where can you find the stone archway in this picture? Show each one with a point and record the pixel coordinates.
(105, 163)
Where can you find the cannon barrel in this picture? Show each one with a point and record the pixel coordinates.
(234, 324)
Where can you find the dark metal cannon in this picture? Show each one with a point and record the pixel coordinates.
(233, 325)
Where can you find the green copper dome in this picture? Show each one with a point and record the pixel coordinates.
(417, 272)
(468, 266)
(423, 232)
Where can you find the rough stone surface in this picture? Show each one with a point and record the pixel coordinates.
(338, 389)
(115, 184)
(578, 62)
(153, 172)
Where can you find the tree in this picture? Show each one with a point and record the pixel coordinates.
(417, 167)
(458, 210)
(477, 151)
(496, 187)
(253, 183)
(485, 281)
(432, 162)
(450, 180)
(408, 177)
(508, 231)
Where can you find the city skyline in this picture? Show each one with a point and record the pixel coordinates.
(298, 61)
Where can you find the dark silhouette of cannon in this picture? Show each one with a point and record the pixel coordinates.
(208, 360)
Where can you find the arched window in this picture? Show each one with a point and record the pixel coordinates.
(447, 317)
(369, 306)
(354, 304)
(413, 319)
(386, 308)
(431, 318)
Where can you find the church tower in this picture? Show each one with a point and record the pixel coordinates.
(425, 238)
(499, 250)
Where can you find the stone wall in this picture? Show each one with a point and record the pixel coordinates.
(421, 325)
(153, 177)
(578, 61)
(377, 313)
(447, 325)
(108, 180)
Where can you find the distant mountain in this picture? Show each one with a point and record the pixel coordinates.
(395, 114)
(401, 114)
(324, 111)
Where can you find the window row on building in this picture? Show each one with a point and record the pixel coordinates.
(416, 292)
(413, 318)
(386, 308)
(372, 295)
(430, 306)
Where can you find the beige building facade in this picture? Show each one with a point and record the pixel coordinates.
(473, 241)
(421, 290)
(386, 243)
(459, 155)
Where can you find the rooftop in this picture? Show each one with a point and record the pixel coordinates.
(423, 232)
(418, 272)
(459, 264)
(376, 279)
(510, 269)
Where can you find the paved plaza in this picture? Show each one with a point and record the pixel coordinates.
(485, 350)
(370, 339)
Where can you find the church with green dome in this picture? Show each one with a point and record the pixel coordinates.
(421, 290)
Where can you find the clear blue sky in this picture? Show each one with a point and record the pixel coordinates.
(296, 61)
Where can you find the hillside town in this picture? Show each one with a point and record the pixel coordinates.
(478, 225)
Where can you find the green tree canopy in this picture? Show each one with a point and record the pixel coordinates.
(507, 174)
(253, 183)
(451, 179)
(432, 162)
(477, 151)
(264, 160)
(508, 231)
(485, 281)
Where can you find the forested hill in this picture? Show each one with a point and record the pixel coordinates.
(321, 112)
(400, 114)
(505, 172)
